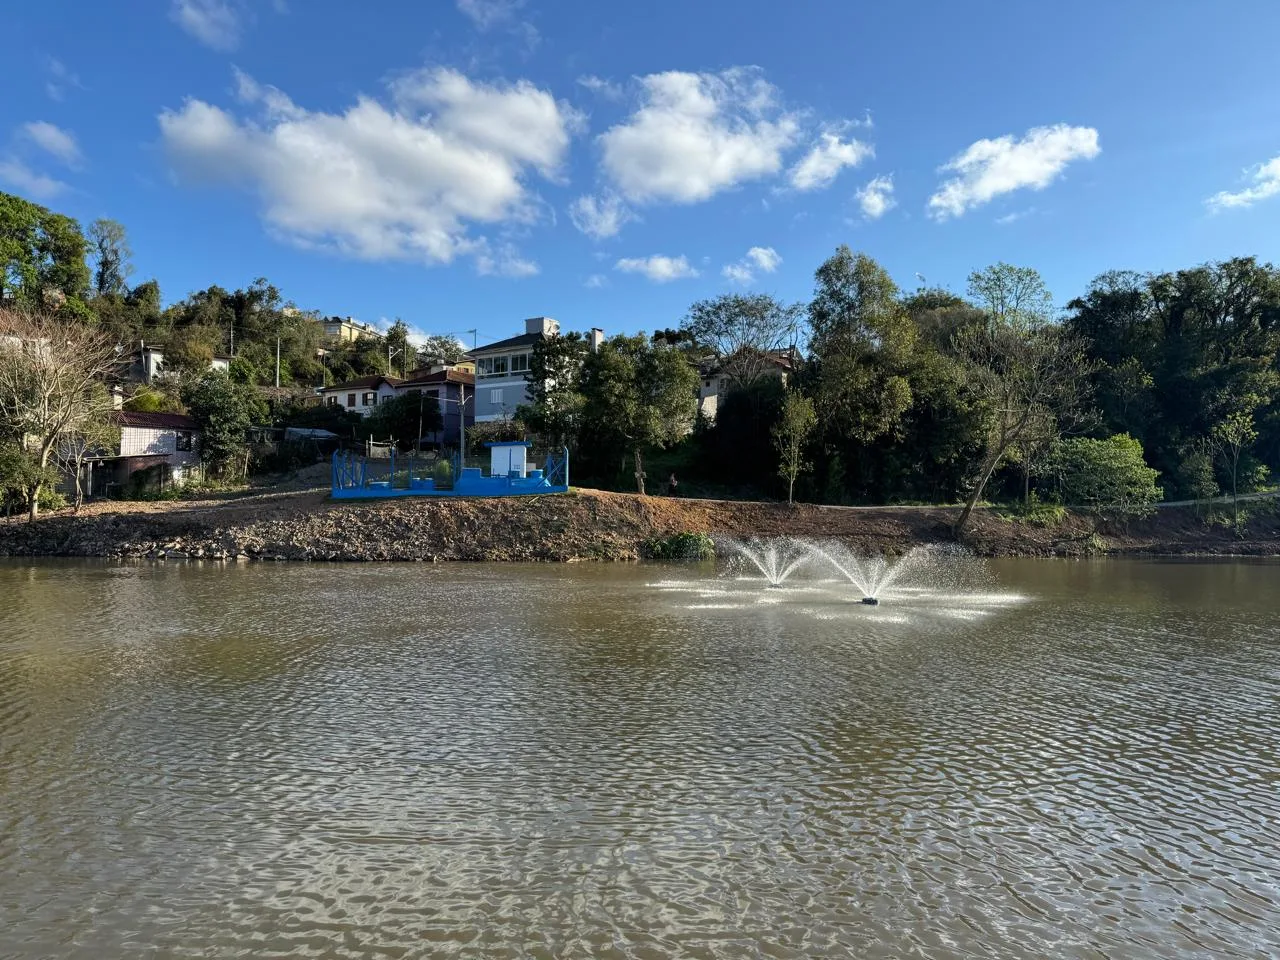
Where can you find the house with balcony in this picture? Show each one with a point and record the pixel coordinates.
(339, 330)
(502, 369)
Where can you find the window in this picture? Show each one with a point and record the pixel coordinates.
(332, 400)
(369, 400)
(495, 398)
(434, 393)
(184, 441)
(351, 399)
(520, 363)
(484, 366)
(500, 365)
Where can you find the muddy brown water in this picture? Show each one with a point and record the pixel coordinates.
(1072, 760)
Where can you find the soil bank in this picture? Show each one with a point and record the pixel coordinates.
(581, 525)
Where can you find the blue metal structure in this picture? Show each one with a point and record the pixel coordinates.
(508, 477)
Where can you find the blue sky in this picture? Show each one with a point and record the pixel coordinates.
(467, 163)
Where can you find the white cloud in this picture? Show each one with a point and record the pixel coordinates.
(876, 198)
(600, 86)
(657, 268)
(505, 261)
(596, 281)
(696, 134)
(1266, 183)
(766, 258)
(763, 259)
(215, 23)
(822, 164)
(599, 216)
(989, 168)
(60, 79)
(404, 181)
(53, 140)
(1013, 216)
(490, 14)
(17, 174)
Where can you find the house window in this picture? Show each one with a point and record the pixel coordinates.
(520, 363)
(484, 366)
(369, 400)
(332, 400)
(183, 441)
(351, 399)
(495, 398)
(434, 393)
(499, 365)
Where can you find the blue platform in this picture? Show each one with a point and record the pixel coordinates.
(508, 476)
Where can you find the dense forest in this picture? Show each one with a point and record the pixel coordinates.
(1143, 385)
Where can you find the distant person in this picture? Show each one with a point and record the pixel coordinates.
(673, 488)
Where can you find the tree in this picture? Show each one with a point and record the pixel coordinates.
(42, 257)
(97, 435)
(1020, 376)
(790, 436)
(863, 342)
(50, 371)
(190, 350)
(397, 347)
(225, 411)
(401, 416)
(1011, 296)
(745, 331)
(1109, 477)
(1231, 437)
(556, 402)
(638, 395)
(440, 349)
(110, 250)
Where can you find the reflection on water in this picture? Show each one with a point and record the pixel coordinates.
(1078, 761)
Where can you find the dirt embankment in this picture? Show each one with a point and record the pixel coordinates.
(585, 525)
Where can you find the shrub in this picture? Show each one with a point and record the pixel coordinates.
(443, 472)
(1108, 477)
(679, 546)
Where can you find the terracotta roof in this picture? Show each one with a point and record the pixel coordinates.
(156, 421)
(451, 375)
(374, 381)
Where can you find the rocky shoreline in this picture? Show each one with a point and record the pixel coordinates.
(583, 525)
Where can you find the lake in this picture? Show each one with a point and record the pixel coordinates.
(1058, 759)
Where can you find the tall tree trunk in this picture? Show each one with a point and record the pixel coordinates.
(988, 468)
(33, 509)
(1026, 485)
(639, 471)
(791, 490)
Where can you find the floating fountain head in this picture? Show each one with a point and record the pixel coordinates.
(874, 576)
(776, 559)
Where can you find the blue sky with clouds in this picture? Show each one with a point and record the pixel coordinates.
(467, 163)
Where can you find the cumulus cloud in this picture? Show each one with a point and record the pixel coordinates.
(18, 175)
(215, 23)
(1265, 178)
(762, 259)
(990, 168)
(54, 141)
(596, 281)
(657, 268)
(382, 182)
(599, 216)
(696, 134)
(822, 164)
(876, 198)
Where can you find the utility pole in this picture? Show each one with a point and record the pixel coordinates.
(277, 363)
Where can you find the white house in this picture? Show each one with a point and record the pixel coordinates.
(362, 394)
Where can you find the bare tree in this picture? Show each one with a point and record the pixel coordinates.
(745, 331)
(51, 371)
(96, 435)
(1024, 379)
